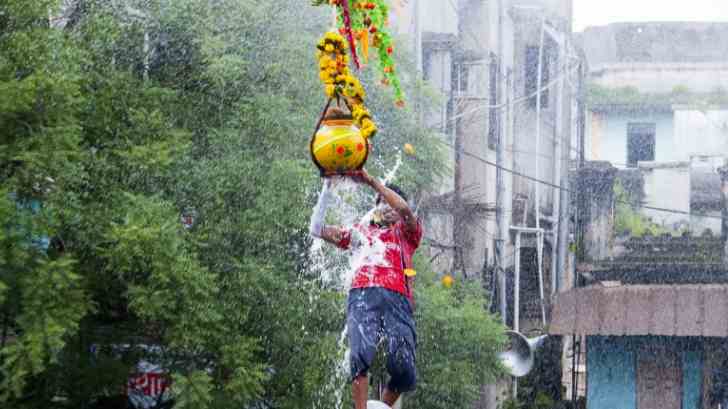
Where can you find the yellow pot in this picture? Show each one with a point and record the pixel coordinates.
(339, 147)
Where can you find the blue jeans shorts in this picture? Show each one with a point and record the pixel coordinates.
(377, 314)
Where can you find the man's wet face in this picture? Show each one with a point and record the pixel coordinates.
(386, 213)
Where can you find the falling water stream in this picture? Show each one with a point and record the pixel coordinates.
(336, 268)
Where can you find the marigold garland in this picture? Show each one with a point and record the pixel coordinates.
(338, 81)
(367, 20)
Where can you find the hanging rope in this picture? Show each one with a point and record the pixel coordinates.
(349, 32)
(315, 131)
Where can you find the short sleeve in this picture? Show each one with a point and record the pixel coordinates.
(414, 237)
(345, 241)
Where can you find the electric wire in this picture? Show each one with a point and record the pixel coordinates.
(512, 103)
(553, 185)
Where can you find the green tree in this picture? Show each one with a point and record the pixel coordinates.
(458, 341)
(138, 111)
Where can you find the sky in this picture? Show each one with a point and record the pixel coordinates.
(601, 12)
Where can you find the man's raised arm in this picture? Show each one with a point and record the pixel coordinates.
(318, 228)
(391, 197)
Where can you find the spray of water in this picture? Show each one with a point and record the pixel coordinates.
(336, 268)
(389, 176)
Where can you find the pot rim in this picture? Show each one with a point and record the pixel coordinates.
(338, 122)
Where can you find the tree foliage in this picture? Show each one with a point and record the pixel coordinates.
(136, 112)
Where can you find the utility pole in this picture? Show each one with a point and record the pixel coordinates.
(501, 221)
(417, 17)
(564, 202)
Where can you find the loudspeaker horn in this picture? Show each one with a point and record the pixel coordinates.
(518, 358)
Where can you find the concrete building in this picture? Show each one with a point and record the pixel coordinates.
(659, 103)
(483, 57)
(652, 272)
(488, 222)
(648, 310)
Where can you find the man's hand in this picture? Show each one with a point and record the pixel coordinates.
(388, 195)
(361, 176)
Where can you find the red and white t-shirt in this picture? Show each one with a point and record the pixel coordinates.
(383, 266)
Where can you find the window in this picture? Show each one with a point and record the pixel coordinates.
(640, 143)
(531, 74)
(493, 124)
(426, 65)
(460, 74)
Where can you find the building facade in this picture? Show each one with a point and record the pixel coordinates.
(659, 105)
(652, 276)
(510, 79)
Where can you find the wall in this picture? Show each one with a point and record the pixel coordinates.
(611, 376)
(662, 77)
(667, 186)
(682, 137)
(607, 136)
(657, 57)
(437, 16)
(692, 363)
(529, 158)
(656, 42)
(561, 10)
(701, 132)
(611, 373)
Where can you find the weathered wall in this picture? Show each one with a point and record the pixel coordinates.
(692, 364)
(682, 139)
(436, 16)
(611, 374)
(611, 369)
(657, 57)
(530, 158)
(607, 136)
(656, 42)
(667, 186)
(556, 9)
(701, 132)
(662, 77)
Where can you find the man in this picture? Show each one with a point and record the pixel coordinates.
(380, 299)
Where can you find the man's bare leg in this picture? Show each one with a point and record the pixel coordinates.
(360, 391)
(390, 397)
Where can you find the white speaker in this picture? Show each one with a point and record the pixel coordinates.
(518, 358)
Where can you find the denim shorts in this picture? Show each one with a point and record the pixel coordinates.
(376, 314)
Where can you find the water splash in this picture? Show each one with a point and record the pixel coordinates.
(336, 268)
(389, 176)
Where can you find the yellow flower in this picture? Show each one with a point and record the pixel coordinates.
(330, 89)
(323, 75)
(329, 48)
(360, 113)
(368, 132)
